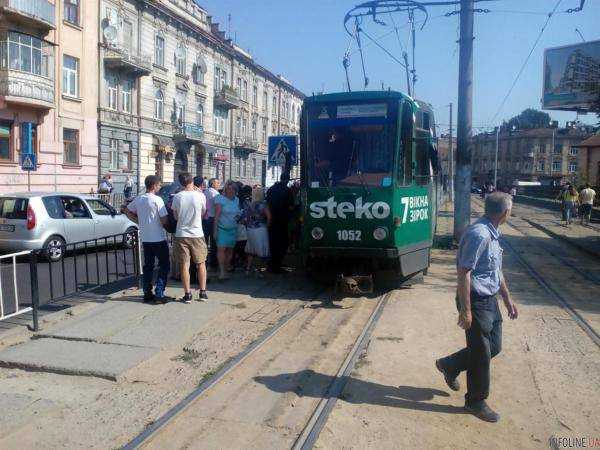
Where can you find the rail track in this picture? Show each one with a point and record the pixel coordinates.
(542, 277)
(319, 416)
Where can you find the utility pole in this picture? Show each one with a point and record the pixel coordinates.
(496, 159)
(462, 203)
(451, 160)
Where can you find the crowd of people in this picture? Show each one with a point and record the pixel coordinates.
(573, 203)
(222, 229)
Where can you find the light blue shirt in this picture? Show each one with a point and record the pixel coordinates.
(230, 211)
(480, 252)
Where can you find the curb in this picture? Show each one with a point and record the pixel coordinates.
(564, 238)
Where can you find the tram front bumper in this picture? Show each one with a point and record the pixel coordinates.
(346, 252)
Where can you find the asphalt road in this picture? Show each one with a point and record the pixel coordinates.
(75, 273)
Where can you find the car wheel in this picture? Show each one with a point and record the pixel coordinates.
(55, 248)
(129, 237)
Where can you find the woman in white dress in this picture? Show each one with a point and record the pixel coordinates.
(257, 218)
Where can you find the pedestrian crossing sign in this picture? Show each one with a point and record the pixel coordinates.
(28, 162)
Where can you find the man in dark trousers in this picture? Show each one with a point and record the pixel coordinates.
(480, 280)
(280, 201)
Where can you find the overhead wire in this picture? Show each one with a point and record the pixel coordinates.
(539, 37)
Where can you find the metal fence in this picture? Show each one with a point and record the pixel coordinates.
(89, 265)
(115, 199)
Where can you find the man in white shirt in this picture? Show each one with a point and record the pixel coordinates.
(189, 207)
(149, 211)
(586, 197)
(211, 193)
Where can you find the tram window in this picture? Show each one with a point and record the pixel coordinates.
(422, 175)
(406, 146)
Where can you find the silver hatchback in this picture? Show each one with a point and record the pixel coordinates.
(30, 221)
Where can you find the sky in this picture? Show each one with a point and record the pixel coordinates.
(305, 41)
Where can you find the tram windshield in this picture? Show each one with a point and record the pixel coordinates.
(351, 144)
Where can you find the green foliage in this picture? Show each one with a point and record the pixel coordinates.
(528, 119)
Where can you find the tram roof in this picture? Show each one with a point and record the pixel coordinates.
(358, 95)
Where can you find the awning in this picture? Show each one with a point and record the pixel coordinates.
(221, 158)
(163, 141)
(211, 149)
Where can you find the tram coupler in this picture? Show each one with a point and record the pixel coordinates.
(355, 284)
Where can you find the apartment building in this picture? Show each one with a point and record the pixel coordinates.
(176, 95)
(548, 155)
(48, 94)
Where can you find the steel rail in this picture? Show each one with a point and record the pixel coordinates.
(143, 437)
(313, 428)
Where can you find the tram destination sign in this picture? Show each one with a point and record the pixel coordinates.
(572, 77)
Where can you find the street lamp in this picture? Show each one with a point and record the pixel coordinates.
(496, 160)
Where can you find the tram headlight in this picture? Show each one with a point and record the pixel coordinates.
(317, 233)
(380, 233)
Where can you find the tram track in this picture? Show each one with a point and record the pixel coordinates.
(318, 416)
(541, 278)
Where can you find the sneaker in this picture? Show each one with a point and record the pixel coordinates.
(451, 381)
(149, 297)
(202, 296)
(187, 298)
(482, 411)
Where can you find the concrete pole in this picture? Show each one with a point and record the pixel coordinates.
(451, 155)
(496, 159)
(462, 203)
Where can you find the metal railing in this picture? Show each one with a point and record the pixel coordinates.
(38, 10)
(116, 200)
(83, 267)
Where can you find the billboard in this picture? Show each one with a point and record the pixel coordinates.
(572, 77)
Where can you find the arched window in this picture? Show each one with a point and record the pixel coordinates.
(180, 59)
(199, 70)
(159, 105)
(200, 115)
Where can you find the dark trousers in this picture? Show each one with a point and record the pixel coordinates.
(207, 226)
(127, 192)
(278, 243)
(152, 252)
(484, 341)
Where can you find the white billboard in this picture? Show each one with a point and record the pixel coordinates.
(572, 77)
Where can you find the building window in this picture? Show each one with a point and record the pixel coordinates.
(220, 118)
(254, 130)
(558, 148)
(244, 167)
(238, 164)
(541, 166)
(265, 104)
(274, 110)
(264, 131)
(180, 103)
(573, 166)
(574, 151)
(126, 156)
(200, 115)
(112, 93)
(244, 127)
(70, 76)
(273, 129)
(245, 90)
(238, 87)
(254, 167)
(126, 96)
(71, 11)
(557, 166)
(27, 54)
(238, 127)
(127, 33)
(159, 50)
(255, 95)
(199, 70)
(70, 146)
(159, 105)
(5, 147)
(180, 59)
(113, 154)
(220, 78)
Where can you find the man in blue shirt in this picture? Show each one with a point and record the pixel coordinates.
(480, 279)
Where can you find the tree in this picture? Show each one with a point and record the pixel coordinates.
(528, 119)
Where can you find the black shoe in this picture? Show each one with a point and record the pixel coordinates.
(482, 411)
(202, 297)
(187, 298)
(149, 297)
(452, 382)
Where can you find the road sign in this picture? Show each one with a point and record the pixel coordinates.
(572, 77)
(28, 162)
(282, 147)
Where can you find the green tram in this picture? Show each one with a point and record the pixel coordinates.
(369, 185)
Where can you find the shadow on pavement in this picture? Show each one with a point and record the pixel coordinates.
(308, 383)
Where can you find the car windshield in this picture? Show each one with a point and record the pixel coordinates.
(351, 144)
(13, 208)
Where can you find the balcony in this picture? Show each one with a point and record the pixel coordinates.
(117, 118)
(24, 88)
(246, 144)
(30, 13)
(188, 132)
(120, 58)
(227, 98)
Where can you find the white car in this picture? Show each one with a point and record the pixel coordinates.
(51, 221)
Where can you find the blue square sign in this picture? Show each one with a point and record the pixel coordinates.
(282, 147)
(28, 162)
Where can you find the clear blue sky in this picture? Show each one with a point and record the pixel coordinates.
(304, 40)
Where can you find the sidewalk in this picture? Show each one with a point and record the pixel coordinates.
(584, 237)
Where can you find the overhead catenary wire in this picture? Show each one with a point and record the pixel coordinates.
(539, 37)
